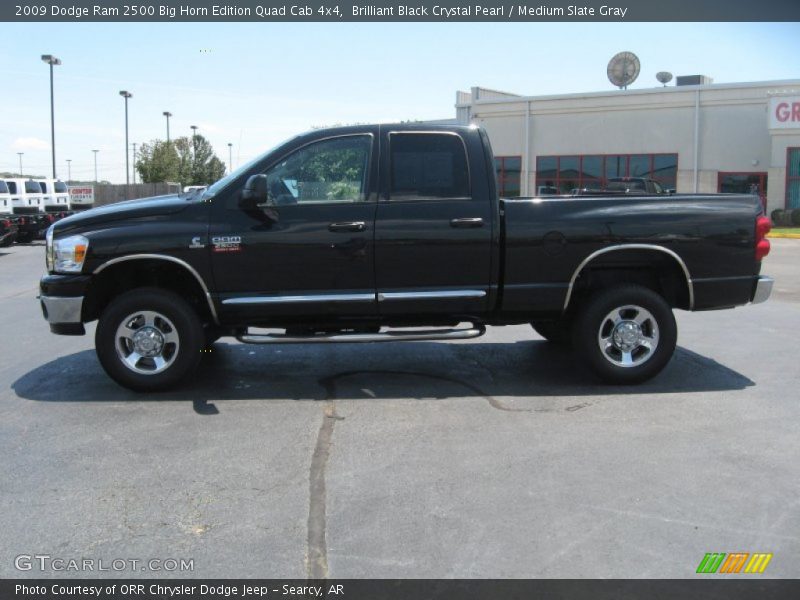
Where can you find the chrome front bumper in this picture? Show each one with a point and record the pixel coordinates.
(58, 310)
(763, 289)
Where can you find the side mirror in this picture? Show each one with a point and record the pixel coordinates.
(255, 193)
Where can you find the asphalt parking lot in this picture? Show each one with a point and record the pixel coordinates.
(495, 457)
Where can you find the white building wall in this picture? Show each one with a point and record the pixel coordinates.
(732, 134)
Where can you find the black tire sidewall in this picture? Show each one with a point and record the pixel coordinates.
(172, 306)
(587, 325)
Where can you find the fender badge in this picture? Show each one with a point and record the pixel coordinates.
(196, 243)
(227, 243)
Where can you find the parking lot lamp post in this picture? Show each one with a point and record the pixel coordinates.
(126, 94)
(69, 170)
(230, 157)
(167, 114)
(134, 163)
(20, 162)
(95, 164)
(194, 129)
(52, 61)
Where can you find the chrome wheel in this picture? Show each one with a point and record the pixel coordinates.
(147, 342)
(628, 336)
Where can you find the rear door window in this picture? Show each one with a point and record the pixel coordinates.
(427, 166)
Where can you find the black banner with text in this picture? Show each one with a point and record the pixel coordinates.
(390, 10)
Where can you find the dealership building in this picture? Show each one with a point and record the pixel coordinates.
(695, 136)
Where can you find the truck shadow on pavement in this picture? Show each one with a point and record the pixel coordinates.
(523, 376)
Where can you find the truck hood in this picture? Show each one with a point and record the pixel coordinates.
(129, 209)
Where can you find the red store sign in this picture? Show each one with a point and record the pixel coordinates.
(784, 112)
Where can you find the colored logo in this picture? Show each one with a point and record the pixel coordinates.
(735, 562)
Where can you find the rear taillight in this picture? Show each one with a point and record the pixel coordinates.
(6, 223)
(51, 218)
(22, 221)
(763, 225)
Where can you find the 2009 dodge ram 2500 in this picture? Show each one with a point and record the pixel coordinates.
(370, 233)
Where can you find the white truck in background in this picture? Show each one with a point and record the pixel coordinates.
(55, 195)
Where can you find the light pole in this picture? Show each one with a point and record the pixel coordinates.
(134, 163)
(126, 94)
(20, 162)
(52, 61)
(69, 170)
(95, 164)
(167, 114)
(194, 129)
(230, 157)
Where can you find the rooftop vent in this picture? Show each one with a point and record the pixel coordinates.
(693, 80)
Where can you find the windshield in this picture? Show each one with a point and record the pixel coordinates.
(3, 187)
(12, 187)
(214, 188)
(61, 186)
(31, 187)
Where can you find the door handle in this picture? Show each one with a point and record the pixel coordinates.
(467, 222)
(348, 226)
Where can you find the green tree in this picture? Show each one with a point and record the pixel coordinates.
(158, 161)
(191, 161)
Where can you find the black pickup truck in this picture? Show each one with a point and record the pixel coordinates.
(390, 233)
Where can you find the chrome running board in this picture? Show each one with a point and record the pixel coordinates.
(386, 336)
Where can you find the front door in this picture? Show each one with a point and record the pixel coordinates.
(311, 253)
(433, 230)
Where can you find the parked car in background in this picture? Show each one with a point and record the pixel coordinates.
(8, 225)
(5, 199)
(27, 206)
(55, 195)
(634, 185)
(194, 188)
(8, 231)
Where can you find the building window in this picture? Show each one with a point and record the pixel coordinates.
(508, 169)
(754, 182)
(562, 174)
(793, 178)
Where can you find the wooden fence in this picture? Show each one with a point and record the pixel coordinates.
(110, 193)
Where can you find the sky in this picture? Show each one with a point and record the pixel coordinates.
(256, 84)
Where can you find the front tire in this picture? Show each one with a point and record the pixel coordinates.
(149, 339)
(626, 334)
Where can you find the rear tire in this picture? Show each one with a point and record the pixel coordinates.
(149, 339)
(626, 334)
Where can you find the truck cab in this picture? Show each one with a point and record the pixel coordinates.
(5, 199)
(26, 196)
(55, 197)
(27, 206)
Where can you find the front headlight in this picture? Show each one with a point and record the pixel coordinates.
(67, 255)
(48, 249)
